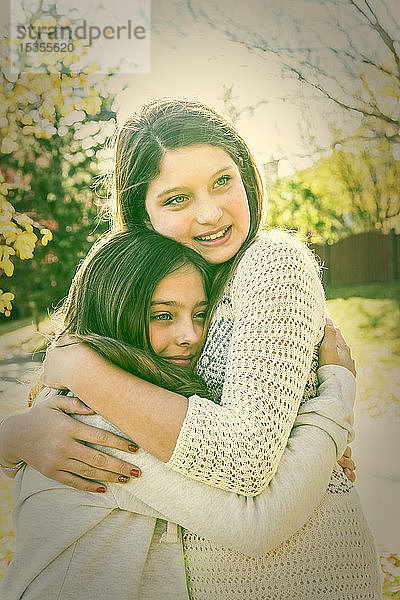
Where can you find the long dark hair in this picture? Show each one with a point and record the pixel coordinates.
(166, 124)
(108, 304)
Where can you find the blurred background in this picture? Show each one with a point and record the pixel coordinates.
(314, 88)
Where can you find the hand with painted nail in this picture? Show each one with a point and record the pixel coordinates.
(348, 465)
(65, 457)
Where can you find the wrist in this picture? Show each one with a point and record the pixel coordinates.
(10, 448)
(339, 382)
(74, 361)
(82, 362)
(325, 371)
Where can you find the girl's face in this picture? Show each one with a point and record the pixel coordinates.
(199, 200)
(177, 313)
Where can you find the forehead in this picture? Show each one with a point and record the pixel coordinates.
(187, 163)
(184, 283)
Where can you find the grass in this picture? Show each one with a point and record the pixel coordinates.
(9, 324)
(371, 326)
(373, 291)
(369, 317)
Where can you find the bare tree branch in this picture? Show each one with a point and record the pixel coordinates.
(344, 52)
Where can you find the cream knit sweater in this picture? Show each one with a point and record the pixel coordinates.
(256, 363)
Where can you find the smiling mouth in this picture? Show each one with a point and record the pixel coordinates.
(213, 236)
(180, 359)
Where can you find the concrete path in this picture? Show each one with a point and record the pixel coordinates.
(376, 451)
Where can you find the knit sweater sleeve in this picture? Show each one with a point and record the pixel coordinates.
(255, 525)
(278, 318)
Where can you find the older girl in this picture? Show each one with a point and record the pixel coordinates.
(182, 170)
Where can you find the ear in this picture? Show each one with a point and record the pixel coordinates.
(147, 222)
(241, 161)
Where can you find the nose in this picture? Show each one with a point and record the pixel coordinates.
(208, 211)
(186, 334)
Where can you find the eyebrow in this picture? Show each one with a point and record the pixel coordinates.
(175, 189)
(174, 303)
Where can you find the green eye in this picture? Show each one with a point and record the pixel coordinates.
(162, 317)
(222, 180)
(175, 200)
(201, 315)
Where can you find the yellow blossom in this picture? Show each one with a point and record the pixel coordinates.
(70, 59)
(9, 231)
(55, 73)
(24, 221)
(47, 110)
(5, 206)
(3, 187)
(91, 68)
(47, 236)
(28, 129)
(26, 120)
(45, 21)
(8, 146)
(5, 262)
(41, 83)
(5, 302)
(64, 21)
(22, 93)
(92, 105)
(25, 244)
(49, 58)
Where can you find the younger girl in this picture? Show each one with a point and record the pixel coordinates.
(141, 301)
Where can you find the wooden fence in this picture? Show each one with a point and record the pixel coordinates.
(362, 258)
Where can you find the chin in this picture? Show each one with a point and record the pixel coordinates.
(218, 258)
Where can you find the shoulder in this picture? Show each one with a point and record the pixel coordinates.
(276, 250)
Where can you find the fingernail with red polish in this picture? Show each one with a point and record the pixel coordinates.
(132, 448)
(101, 489)
(135, 472)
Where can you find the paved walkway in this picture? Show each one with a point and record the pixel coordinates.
(377, 451)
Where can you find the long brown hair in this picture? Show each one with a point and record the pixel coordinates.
(166, 124)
